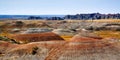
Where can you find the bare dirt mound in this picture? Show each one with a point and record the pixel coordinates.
(24, 38)
(64, 32)
(62, 50)
(81, 47)
(36, 30)
(6, 46)
(85, 51)
(86, 37)
(34, 48)
(84, 47)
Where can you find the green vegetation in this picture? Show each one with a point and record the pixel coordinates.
(4, 38)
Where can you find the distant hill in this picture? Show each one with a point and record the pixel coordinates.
(91, 16)
(30, 17)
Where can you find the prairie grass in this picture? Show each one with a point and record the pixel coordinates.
(67, 38)
(101, 20)
(108, 34)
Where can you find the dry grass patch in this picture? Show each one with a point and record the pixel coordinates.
(100, 20)
(108, 34)
(67, 38)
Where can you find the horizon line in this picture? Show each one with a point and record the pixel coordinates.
(59, 14)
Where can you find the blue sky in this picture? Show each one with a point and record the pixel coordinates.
(57, 7)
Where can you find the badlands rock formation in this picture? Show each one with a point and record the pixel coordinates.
(35, 37)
